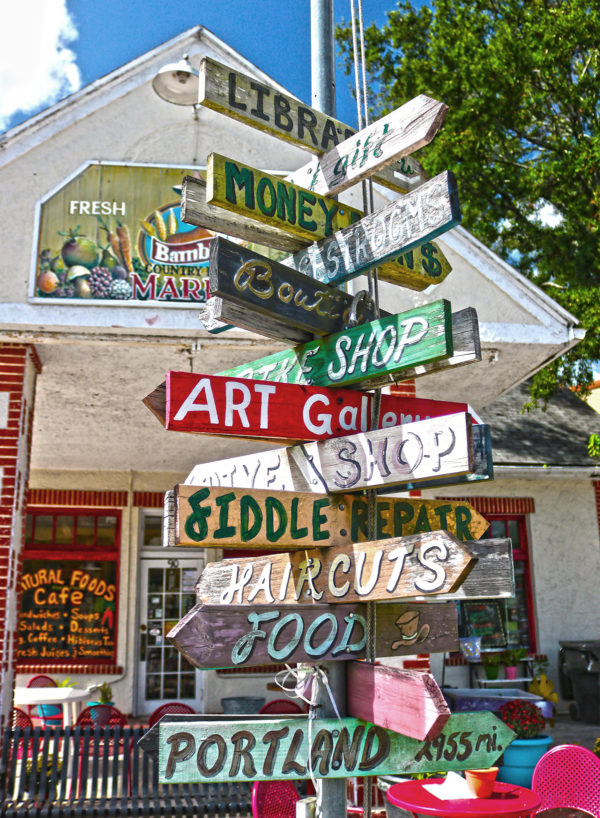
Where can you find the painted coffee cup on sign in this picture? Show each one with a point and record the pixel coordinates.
(481, 782)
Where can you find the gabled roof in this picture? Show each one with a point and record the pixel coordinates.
(555, 437)
(117, 83)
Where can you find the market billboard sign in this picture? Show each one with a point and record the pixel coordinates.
(114, 233)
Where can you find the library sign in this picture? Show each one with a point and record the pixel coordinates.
(113, 233)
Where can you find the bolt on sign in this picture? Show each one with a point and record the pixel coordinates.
(270, 199)
(399, 568)
(434, 449)
(217, 405)
(365, 355)
(281, 519)
(196, 750)
(218, 636)
(268, 109)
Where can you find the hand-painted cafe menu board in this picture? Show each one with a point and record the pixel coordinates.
(68, 611)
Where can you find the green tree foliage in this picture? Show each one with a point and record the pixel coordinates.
(521, 79)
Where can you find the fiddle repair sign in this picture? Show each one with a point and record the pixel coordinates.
(113, 234)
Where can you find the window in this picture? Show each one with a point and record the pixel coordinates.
(69, 587)
(516, 614)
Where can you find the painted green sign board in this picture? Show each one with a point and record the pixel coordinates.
(192, 752)
(365, 355)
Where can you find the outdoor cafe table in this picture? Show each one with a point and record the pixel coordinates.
(66, 697)
(507, 801)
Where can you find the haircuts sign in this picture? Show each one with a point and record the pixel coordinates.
(114, 233)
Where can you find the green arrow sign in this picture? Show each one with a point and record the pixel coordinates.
(198, 751)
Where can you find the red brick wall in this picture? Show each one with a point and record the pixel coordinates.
(404, 389)
(19, 366)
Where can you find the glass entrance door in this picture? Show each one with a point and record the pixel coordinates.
(167, 593)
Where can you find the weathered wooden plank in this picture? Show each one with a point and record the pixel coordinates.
(218, 315)
(214, 404)
(264, 107)
(225, 517)
(397, 134)
(404, 701)
(367, 355)
(199, 750)
(196, 210)
(216, 636)
(399, 568)
(280, 294)
(269, 199)
(379, 238)
(493, 576)
(433, 449)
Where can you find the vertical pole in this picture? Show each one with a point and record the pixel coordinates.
(322, 57)
(331, 792)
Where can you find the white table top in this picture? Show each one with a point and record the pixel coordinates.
(51, 695)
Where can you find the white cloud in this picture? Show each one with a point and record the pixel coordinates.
(37, 67)
(546, 214)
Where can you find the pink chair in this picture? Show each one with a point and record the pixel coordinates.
(169, 707)
(101, 715)
(283, 707)
(19, 718)
(274, 799)
(50, 714)
(568, 777)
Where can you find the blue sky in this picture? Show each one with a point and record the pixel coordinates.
(50, 48)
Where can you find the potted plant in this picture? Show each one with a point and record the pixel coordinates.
(491, 663)
(510, 659)
(518, 761)
(104, 692)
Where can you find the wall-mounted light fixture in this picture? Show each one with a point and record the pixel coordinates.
(177, 82)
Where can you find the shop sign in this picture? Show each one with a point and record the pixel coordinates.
(113, 234)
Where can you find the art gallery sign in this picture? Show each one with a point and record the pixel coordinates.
(112, 233)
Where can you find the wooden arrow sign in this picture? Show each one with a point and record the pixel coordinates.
(217, 405)
(217, 749)
(254, 193)
(380, 237)
(403, 701)
(217, 636)
(237, 518)
(433, 563)
(365, 355)
(434, 449)
(196, 210)
(279, 293)
(266, 108)
(399, 133)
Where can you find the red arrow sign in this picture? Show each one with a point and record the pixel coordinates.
(220, 405)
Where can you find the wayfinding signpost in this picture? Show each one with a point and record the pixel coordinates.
(332, 558)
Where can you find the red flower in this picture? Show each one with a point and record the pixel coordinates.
(523, 717)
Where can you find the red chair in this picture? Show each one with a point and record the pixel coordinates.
(274, 799)
(101, 715)
(19, 718)
(568, 777)
(169, 707)
(51, 715)
(283, 707)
